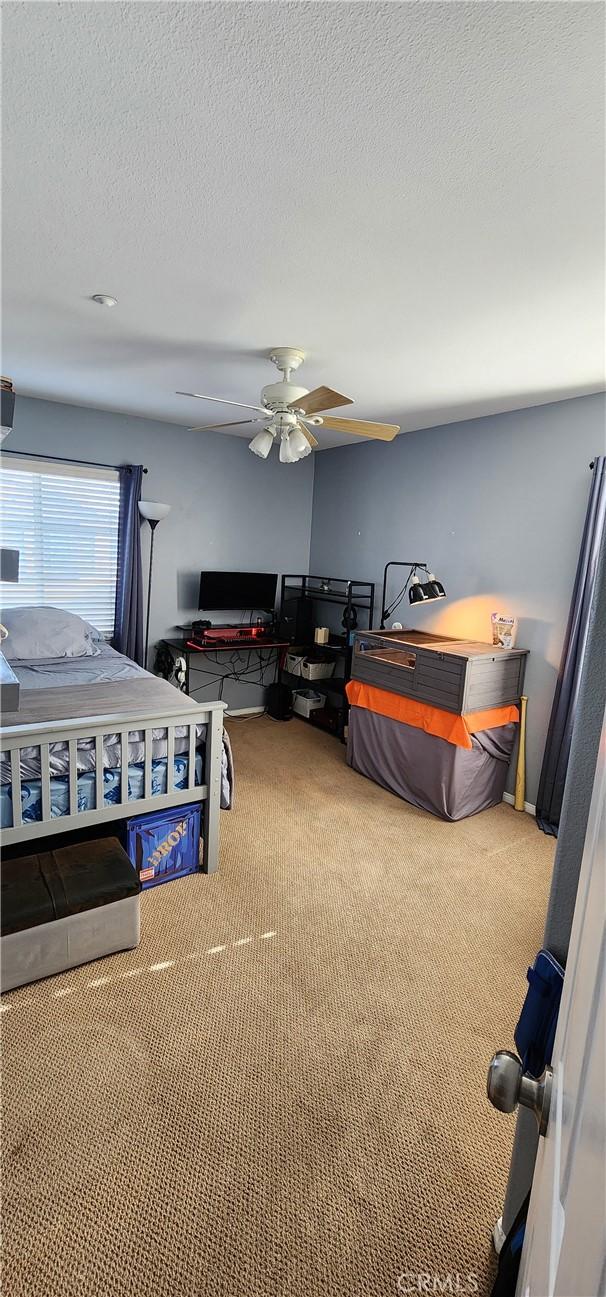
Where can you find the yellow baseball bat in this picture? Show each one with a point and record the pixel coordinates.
(520, 792)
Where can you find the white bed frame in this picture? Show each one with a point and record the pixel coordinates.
(15, 737)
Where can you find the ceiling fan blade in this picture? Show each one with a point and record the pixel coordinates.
(209, 427)
(221, 400)
(380, 431)
(322, 398)
(308, 435)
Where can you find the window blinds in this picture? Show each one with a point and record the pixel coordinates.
(63, 519)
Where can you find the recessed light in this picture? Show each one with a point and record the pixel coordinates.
(103, 300)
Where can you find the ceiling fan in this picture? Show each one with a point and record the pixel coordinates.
(288, 412)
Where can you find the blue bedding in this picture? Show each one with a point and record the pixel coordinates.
(106, 666)
(31, 795)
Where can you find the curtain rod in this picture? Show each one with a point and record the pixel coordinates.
(89, 463)
(63, 459)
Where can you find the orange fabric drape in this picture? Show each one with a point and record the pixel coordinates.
(434, 720)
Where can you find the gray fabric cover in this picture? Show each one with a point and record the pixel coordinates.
(50, 948)
(104, 666)
(449, 781)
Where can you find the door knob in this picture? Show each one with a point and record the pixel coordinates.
(507, 1085)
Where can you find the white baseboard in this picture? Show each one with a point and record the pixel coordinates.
(528, 806)
(244, 711)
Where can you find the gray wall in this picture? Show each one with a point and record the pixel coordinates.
(229, 509)
(495, 505)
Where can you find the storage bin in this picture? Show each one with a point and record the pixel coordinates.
(293, 663)
(305, 701)
(326, 718)
(317, 670)
(164, 844)
(66, 907)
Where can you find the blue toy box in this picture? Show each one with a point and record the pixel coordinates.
(164, 844)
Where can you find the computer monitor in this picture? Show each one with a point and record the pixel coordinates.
(237, 590)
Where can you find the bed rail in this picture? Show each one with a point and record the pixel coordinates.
(71, 732)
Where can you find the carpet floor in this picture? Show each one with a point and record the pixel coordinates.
(281, 1093)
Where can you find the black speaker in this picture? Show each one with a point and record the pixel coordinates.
(279, 702)
(197, 630)
(297, 621)
(8, 404)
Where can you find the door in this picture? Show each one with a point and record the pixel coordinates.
(565, 1245)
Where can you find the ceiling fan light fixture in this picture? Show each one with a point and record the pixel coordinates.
(284, 403)
(287, 454)
(299, 444)
(262, 443)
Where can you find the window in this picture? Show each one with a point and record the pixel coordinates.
(63, 519)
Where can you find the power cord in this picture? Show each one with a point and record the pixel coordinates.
(258, 669)
(388, 612)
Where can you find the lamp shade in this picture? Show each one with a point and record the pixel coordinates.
(299, 444)
(416, 593)
(287, 455)
(262, 443)
(153, 510)
(433, 588)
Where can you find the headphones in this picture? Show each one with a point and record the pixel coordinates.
(180, 672)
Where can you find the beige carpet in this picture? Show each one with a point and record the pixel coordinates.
(281, 1092)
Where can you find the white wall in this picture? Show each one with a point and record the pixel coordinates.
(496, 505)
(229, 509)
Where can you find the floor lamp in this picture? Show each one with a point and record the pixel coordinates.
(154, 512)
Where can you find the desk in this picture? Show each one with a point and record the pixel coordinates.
(183, 663)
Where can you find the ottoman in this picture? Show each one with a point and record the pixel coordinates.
(66, 907)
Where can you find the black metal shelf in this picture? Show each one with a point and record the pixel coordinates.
(317, 723)
(329, 596)
(308, 649)
(329, 685)
(356, 596)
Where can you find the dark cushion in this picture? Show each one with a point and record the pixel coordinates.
(51, 885)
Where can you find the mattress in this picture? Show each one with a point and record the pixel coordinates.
(31, 790)
(112, 756)
(106, 666)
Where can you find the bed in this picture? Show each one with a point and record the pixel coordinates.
(98, 738)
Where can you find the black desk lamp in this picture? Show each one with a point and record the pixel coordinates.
(153, 512)
(418, 591)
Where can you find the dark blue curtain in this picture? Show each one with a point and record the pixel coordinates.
(580, 624)
(128, 625)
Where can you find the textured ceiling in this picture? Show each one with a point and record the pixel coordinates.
(411, 192)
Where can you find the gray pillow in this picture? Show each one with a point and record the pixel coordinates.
(35, 633)
(95, 634)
